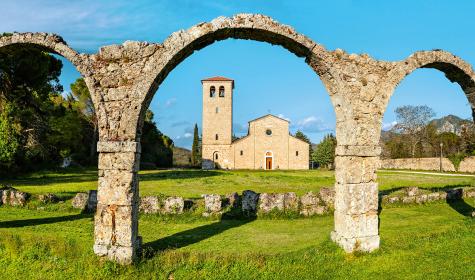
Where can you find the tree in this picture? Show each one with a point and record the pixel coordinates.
(29, 79)
(412, 121)
(157, 148)
(196, 148)
(9, 138)
(81, 94)
(324, 154)
(300, 135)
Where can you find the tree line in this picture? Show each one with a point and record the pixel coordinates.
(40, 126)
(417, 135)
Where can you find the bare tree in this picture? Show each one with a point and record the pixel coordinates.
(412, 122)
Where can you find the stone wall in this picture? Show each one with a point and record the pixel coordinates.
(432, 164)
(467, 165)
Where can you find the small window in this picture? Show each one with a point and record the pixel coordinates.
(221, 91)
(216, 156)
(296, 153)
(216, 137)
(242, 152)
(269, 132)
(217, 110)
(212, 91)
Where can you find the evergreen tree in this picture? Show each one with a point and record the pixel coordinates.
(196, 148)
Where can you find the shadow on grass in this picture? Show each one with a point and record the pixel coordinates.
(191, 236)
(43, 221)
(178, 174)
(461, 207)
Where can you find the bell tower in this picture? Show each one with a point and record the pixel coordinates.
(217, 123)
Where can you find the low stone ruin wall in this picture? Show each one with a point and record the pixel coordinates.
(432, 164)
(249, 203)
(467, 165)
(411, 195)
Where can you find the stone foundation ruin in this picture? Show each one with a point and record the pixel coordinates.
(123, 78)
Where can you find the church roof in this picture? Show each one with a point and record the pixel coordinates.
(218, 79)
(266, 116)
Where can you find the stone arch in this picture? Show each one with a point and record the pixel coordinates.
(182, 44)
(455, 69)
(53, 43)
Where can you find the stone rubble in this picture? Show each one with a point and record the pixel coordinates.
(13, 197)
(48, 198)
(249, 200)
(87, 202)
(213, 204)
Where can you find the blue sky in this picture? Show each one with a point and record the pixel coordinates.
(268, 78)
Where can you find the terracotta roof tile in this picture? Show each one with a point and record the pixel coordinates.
(218, 78)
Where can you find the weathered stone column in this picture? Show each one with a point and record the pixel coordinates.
(356, 198)
(116, 220)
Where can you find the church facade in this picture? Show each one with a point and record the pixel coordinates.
(268, 144)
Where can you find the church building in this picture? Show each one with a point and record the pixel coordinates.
(268, 144)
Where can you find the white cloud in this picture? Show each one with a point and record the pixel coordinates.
(282, 116)
(188, 135)
(170, 102)
(312, 124)
(389, 126)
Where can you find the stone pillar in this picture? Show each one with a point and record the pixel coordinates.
(116, 220)
(356, 198)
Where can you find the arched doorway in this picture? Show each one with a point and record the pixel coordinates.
(268, 160)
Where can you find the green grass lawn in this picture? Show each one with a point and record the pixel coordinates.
(193, 183)
(433, 241)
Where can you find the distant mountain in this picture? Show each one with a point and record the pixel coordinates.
(450, 123)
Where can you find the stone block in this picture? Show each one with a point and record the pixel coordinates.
(173, 205)
(213, 204)
(149, 205)
(80, 201)
(327, 196)
(355, 170)
(394, 199)
(116, 225)
(310, 205)
(249, 201)
(433, 196)
(291, 202)
(48, 198)
(232, 200)
(356, 198)
(423, 198)
(13, 197)
(271, 201)
(363, 244)
(408, 199)
(355, 226)
(117, 187)
(119, 161)
(469, 192)
(412, 191)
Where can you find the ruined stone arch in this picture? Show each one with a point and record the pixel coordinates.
(55, 44)
(455, 69)
(182, 44)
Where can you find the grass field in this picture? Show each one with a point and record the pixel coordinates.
(433, 241)
(193, 183)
